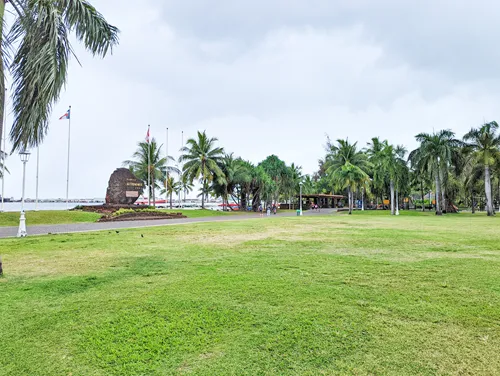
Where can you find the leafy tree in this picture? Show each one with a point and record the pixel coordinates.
(201, 160)
(186, 185)
(39, 43)
(169, 188)
(433, 156)
(485, 144)
(276, 169)
(148, 156)
(347, 167)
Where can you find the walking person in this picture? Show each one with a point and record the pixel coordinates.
(260, 211)
(268, 211)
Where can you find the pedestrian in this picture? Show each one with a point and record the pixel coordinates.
(275, 209)
(268, 211)
(260, 210)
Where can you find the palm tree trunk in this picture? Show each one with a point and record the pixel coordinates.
(473, 208)
(154, 193)
(438, 193)
(487, 188)
(171, 193)
(423, 196)
(498, 192)
(397, 202)
(362, 199)
(203, 193)
(392, 197)
(349, 196)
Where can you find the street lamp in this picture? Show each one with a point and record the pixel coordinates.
(21, 233)
(300, 196)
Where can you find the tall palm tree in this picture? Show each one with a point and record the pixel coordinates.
(485, 143)
(293, 181)
(434, 155)
(375, 151)
(187, 186)
(347, 167)
(149, 165)
(3, 157)
(39, 43)
(201, 160)
(168, 188)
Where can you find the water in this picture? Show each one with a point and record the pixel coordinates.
(29, 206)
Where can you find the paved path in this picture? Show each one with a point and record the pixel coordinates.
(7, 232)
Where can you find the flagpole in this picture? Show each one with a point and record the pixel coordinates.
(67, 169)
(149, 168)
(37, 170)
(2, 151)
(182, 145)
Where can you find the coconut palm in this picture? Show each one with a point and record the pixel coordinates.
(3, 157)
(347, 167)
(148, 165)
(39, 43)
(375, 151)
(169, 188)
(294, 178)
(187, 186)
(433, 156)
(201, 160)
(485, 144)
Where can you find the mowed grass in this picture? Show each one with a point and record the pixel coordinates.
(54, 217)
(367, 294)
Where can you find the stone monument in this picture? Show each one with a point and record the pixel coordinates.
(123, 188)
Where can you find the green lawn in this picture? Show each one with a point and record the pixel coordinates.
(367, 294)
(52, 217)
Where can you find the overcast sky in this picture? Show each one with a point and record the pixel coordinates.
(269, 77)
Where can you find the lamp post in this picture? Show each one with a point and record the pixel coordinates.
(21, 233)
(300, 197)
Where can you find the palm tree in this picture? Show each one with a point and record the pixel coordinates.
(434, 155)
(347, 167)
(168, 188)
(351, 177)
(148, 156)
(202, 159)
(3, 157)
(39, 43)
(485, 143)
(375, 152)
(187, 186)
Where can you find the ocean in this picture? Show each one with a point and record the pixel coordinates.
(30, 206)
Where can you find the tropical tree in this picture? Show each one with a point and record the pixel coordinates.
(485, 144)
(276, 169)
(169, 188)
(376, 152)
(148, 165)
(347, 167)
(3, 157)
(187, 186)
(201, 160)
(39, 43)
(292, 183)
(433, 156)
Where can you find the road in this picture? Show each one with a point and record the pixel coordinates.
(8, 232)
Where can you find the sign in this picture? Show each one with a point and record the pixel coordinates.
(134, 194)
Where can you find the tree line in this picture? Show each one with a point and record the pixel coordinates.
(460, 172)
(220, 174)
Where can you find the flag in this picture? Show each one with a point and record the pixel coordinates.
(66, 115)
(147, 136)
